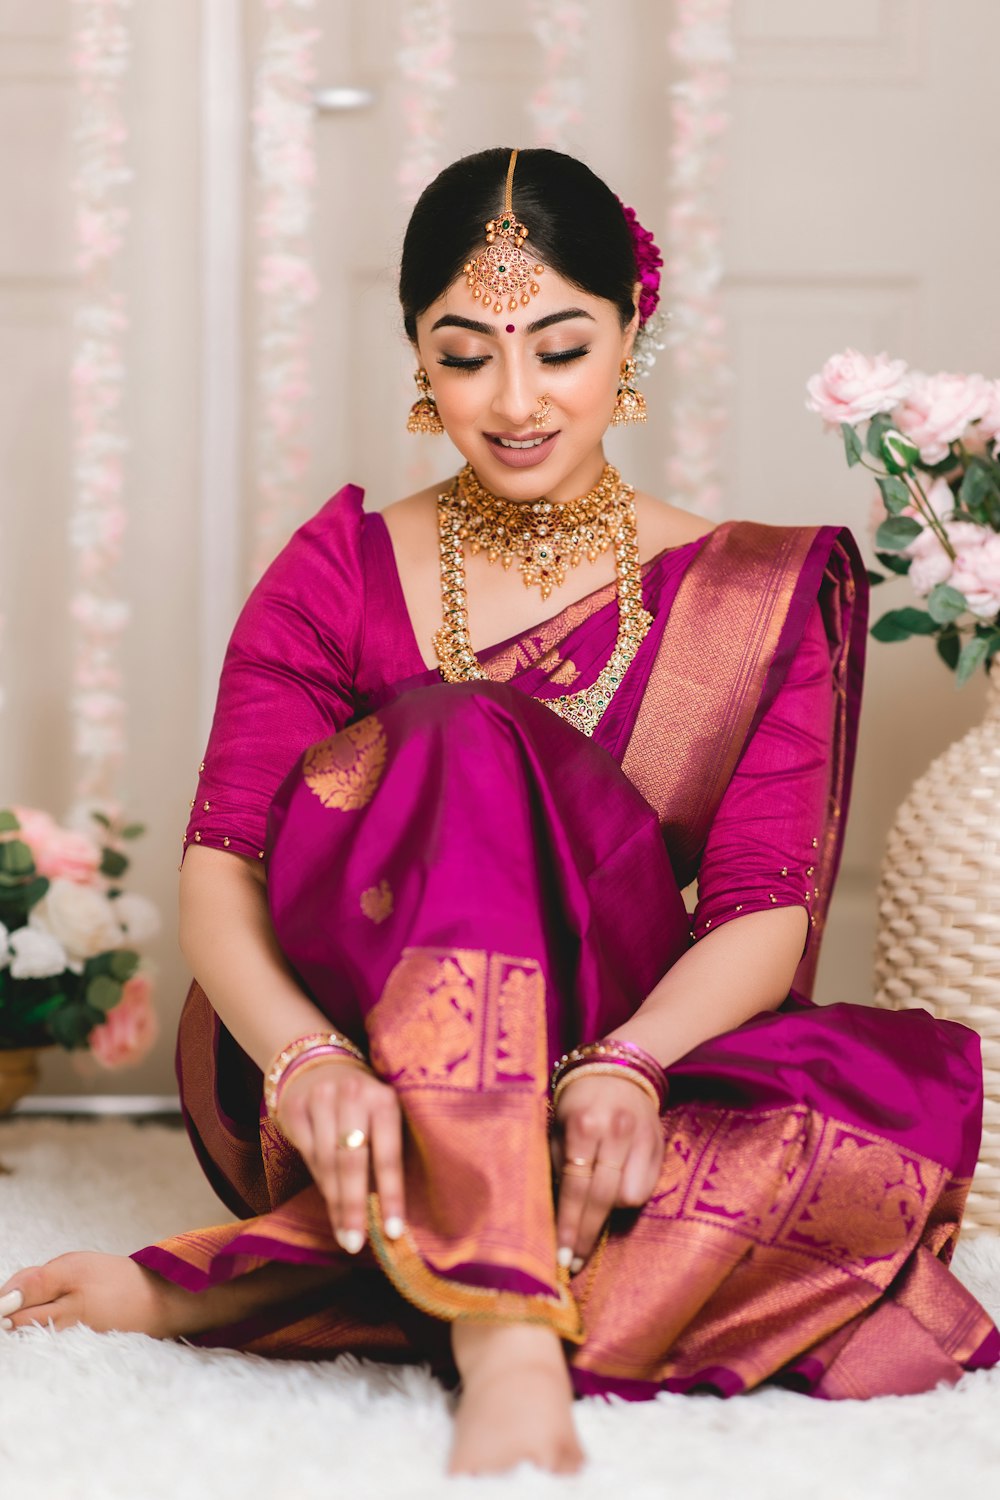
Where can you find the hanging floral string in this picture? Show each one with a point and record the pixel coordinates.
(284, 153)
(701, 44)
(423, 58)
(556, 108)
(100, 53)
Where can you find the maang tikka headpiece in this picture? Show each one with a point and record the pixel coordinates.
(502, 272)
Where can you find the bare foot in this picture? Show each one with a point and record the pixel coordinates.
(516, 1401)
(108, 1292)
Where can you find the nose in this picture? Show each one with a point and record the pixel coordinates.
(515, 399)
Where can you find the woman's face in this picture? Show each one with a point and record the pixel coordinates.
(488, 372)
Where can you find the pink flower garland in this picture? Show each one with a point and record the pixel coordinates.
(701, 43)
(284, 153)
(423, 59)
(100, 53)
(556, 107)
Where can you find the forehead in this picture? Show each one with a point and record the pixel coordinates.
(554, 295)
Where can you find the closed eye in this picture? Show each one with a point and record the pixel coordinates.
(453, 362)
(563, 356)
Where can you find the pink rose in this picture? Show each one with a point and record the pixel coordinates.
(977, 574)
(59, 853)
(852, 387)
(985, 435)
(131, 1027)
(938, 410)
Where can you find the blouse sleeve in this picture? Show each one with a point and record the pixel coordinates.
(762, 848)
(287, 679)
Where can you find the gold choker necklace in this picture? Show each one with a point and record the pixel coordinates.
(543, 535)
(453, 644)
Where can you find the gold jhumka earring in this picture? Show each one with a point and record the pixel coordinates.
(424, 415)
(502, 273)
(630, 404)
(542, 412)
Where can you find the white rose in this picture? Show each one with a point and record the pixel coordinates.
(4, 947)
(139, 918)
(37, 955)
(78, 917)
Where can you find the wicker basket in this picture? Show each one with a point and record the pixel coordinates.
(938, 942)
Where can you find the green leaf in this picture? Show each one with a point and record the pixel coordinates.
(978, 487)
(124, 963)
(877, 428)
(972, 655)
(852, 444)
(895, 494)
(101, 818)
(896, 533)
(42, 1009)
(875, 578)
(898, 452)
(945, 604)
(900, 624)
(949, 644)
(72, 1025)
(8, 821)
(133, 830)
(103, 993)
(16, 858)
(894, 562)
(113, 864)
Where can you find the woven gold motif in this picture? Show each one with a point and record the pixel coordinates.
(344, 770)
(377, 902)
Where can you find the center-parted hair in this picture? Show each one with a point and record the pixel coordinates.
(577, 227)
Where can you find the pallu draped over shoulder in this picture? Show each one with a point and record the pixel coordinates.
(467, 886)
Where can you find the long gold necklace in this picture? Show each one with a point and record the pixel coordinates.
(543, 536)
(453, 644)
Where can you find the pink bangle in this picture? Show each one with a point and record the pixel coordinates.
(615, 1053)
(318, 1046)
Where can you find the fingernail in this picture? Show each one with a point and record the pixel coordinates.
(576, 1265)
(13, 1302)
(394, 1227)
(564, 1255)
(6, 1324)
(350, 1240)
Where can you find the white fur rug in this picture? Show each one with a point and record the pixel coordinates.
(121, 1417)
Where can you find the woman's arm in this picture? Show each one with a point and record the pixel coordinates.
(732, 974)
(227, 938)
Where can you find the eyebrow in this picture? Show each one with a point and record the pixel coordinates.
(452, 320)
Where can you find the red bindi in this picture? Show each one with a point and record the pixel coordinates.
(511, 328)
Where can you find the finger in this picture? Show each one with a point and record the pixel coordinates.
(353, 1124)
(322, 1162)
(605, 1184)
(387, 1164)
(642, 1167)
(579, 1151)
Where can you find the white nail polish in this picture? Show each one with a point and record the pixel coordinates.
(564, 1256)
(6, 1324)
(350, 1240)
(577, 1264)
(13, 1302)
(394, 1227)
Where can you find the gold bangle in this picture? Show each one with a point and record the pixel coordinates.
(606, 1070)
(325, 1044)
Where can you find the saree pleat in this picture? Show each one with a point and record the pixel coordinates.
(438, 881)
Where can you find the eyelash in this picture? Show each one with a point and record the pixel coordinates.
(564, 357)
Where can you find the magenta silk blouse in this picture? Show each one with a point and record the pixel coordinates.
(325, 636)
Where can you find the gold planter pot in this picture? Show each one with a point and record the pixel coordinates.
(18, 1075)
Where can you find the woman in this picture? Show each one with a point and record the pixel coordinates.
(406, 899)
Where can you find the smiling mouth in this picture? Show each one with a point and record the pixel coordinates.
(529, 442)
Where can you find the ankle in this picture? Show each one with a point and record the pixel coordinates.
(484, 1349)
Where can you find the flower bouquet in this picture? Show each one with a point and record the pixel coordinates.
(933, 444)
(69, 933)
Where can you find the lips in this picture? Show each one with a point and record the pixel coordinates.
(520, 450)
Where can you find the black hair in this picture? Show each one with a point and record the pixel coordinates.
(578, 228)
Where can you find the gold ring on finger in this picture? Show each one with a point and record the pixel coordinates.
(352, 1140)
(577, 1169)
(578, 1161)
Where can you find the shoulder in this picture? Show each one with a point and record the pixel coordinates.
(662, 526)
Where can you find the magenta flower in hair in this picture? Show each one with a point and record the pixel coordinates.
(648, 260)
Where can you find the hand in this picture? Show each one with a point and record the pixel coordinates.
(318, 1111)
(607, 1149)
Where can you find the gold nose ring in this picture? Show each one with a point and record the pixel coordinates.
(542, 412)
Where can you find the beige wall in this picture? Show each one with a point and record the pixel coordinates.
(857, 210)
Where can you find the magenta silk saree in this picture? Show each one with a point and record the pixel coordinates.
(467, 886)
